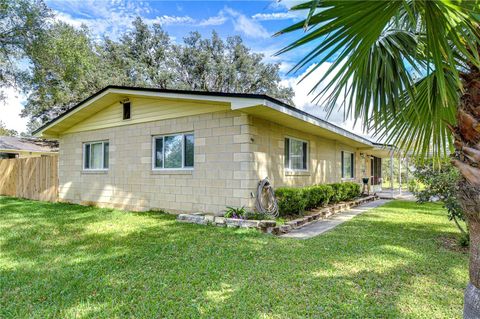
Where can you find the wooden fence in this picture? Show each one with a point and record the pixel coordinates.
(33, 178)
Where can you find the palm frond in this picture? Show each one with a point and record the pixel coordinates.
(421, 125)
(377, 49)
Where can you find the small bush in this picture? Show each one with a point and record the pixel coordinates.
(345, 191)
(338, 192)
(235, 212)
(413, 186)
(464, 240)
(353, 190)
(243, 213)
(256, 216)
(318, 195)
(291, 201)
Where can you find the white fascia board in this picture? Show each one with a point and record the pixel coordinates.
(183, 96)
(304, 117)
(39, 133)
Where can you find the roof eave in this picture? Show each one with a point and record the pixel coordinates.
(237, 101)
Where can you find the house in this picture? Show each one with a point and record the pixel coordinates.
(185, 151)
(15, 147)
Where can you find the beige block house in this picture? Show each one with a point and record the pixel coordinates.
(183, 151)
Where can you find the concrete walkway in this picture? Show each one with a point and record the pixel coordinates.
(395, 194)
(321, 226)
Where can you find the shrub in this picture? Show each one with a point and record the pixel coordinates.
(354, 190)
(256, 216)
(439, 181)
(338, 190)
(243, 213)
(464, 240)
(291, 201)
(413, 186)
(345, 191)
(235, 212)
(318, 195)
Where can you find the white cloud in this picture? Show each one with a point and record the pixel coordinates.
(308, 102)
(113, 18)
(216, 20)
(273, 16)
(285, 4)
(10, 110)
(285, 67)
(102, 17)
(247, 26)
(169, 20)
(106, 18)
(65, 17)
(288, 4)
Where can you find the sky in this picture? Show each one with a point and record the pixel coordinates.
(254, 21)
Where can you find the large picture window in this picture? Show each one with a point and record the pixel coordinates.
(96, 155)
(348, 165)
(296, 154)
(173, 151)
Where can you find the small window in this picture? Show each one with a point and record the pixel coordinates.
(348, 165)
(96, 155)
(126, 110)
(296, 154)
(173, 151)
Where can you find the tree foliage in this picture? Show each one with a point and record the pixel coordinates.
(440, 183)
(4, 131)
(140, 57)
(225, 66)
(68, 66)
(65, 69)
(21, 23)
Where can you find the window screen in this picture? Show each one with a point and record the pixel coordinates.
(173, 151)
(296, 154)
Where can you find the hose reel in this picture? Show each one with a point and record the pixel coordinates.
(265, 201)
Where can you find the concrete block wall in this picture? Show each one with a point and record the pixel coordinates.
(233, 151)
(268, 149)
(222, 160)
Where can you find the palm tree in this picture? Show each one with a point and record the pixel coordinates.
(409, 70)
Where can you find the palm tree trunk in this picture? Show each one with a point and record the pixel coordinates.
(471, 307)
(467, 160)
(475, 252)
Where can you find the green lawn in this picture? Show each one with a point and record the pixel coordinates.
(69, 261)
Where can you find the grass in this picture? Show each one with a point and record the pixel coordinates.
(69, 261)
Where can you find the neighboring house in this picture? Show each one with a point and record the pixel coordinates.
(14, 147)
(138, 148)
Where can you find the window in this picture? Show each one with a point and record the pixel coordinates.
(296, 154)
(348, 165)
(126, 110)
(96, 155)
(173, 151)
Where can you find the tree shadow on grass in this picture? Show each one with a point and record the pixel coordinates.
(77, 261)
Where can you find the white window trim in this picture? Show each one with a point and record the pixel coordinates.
(183, 168)
(289, 169)
(103, 156)
(342, 165)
